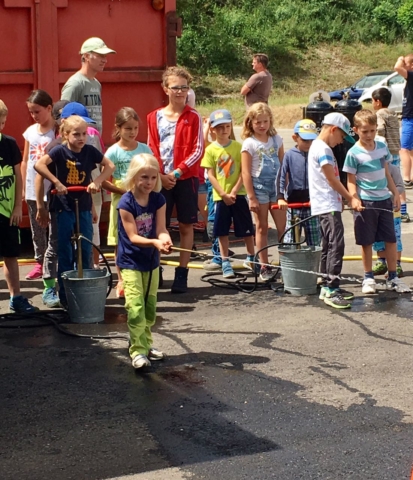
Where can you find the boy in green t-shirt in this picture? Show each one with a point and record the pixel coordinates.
(11, 215)
(223, 160)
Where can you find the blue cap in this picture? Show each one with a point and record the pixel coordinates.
(219, 117)
(75, 108)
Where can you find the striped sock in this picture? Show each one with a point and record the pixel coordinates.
(403, 208)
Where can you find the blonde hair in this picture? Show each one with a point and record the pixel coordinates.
(68, 124)
(3, 109)
(252, 113)
(138, 163)
(364, 116)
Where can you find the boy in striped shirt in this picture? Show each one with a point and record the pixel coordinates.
(368, 178)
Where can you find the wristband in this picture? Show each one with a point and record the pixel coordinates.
(176, 174)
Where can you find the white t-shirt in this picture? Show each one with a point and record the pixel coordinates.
(37, 144)
(258, 149)
(166, 131)
(322, 197)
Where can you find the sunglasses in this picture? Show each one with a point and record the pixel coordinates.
(179, 88)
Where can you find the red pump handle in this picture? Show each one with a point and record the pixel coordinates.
(70, 189)
(292, 205)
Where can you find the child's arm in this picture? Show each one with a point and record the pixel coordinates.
(277, 178)
(161, 230)
(16, 215)
(41, 167)
(95, 216)
(42, 215)
(246, 165)
(400, 67)
(336, 185)
(110, 187)
(282, 184)
(236, 187)
(24, 167)
(381, 127)
(206, 131)
(129, 225)
(107, 170)
(392, 188)
(226, 197)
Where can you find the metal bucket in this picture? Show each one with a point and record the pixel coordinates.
(86, 297)
(306, 258)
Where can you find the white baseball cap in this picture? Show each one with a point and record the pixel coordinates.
(340, 121)
(97, 45)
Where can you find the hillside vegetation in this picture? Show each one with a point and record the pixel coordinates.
(312, 44)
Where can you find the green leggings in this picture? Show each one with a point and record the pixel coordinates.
(141, 316)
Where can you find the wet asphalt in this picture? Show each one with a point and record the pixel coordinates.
(256, 386)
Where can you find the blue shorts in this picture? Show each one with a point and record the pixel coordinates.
(264, 190)
(396, 160)
(203, 188)
(381, 246)
(406, 139)
(239, 212)
(375, 223)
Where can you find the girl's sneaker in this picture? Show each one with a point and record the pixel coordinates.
(227, 271)
(267, 273)
(120, 292)
(140, 361)
(155, 355)
(397, 285)
(50, 298)
(36, 273)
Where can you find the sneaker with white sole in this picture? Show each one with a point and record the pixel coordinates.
(327, 292)
(267, 273)
(336, 300)
(397, 285)
(369, 286)
(227, 271)
(155, 355)
(211, 265)
(140, 361)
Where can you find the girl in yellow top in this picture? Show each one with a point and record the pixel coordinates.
(121, 153)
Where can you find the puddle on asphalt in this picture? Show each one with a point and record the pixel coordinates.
(400, 305)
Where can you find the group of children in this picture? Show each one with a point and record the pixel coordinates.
(64, 148)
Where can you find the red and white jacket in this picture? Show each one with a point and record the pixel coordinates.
(188, 145)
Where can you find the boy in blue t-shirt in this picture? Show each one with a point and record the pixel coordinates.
(368, 178)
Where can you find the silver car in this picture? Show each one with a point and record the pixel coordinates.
(395, 83)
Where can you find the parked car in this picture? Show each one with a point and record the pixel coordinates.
(357, 89)
(395, 83)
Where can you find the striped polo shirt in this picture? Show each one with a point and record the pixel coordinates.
(368, 166)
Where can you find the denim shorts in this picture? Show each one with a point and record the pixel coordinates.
(264, 190)
(406, 138)
(381, 246)
(203, 188)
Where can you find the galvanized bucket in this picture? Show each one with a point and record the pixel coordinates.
(86, 297)
(305, 258)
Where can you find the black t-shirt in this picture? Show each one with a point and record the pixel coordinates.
(407, 110)
(74, 169)
(10, 156)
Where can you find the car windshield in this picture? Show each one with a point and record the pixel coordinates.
(369, 80)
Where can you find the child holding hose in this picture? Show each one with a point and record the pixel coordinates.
(74, 161)
(142, 236)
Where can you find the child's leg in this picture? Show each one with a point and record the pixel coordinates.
(223, 247)
(333, 246)
(391, 255)
(279, 218)
(311, 228)
(65, 261)
(261, 231)
(50, 257)
(136, 309)
(289, 236)
(11, 274)
(96, 236)
(150, 305)
(38, 233)
(86, 228)
(249, 243)
(367, 257)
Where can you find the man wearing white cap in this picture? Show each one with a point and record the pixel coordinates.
(83, 87)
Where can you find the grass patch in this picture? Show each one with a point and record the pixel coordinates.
(326, 67)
